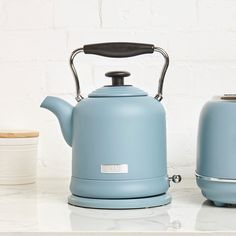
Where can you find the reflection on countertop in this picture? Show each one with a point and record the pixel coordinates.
(211, 218)
(43, 207)
(152, 219)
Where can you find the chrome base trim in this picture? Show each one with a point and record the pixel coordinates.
(213, 179)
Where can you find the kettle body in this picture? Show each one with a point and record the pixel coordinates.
(118, 138)
(216, 151)
(122, 143)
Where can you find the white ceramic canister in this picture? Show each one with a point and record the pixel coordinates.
(18, 157)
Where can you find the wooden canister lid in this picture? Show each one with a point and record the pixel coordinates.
(18, 134)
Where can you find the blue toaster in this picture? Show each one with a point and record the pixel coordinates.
(216, 150)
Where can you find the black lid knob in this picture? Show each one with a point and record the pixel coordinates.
(117, 77)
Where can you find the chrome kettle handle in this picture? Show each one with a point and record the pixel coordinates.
(119, 50)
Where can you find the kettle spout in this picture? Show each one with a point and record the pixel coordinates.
(63, 111)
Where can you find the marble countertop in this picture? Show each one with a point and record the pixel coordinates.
(43, 207)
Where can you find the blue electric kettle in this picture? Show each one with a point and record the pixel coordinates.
(118, 138)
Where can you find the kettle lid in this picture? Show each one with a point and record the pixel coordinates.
(117, 88)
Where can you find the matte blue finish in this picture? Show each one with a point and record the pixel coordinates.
(118, 189)
(121, 130)
(119, 125)
(219, 193)
(216, 151)
(118, 91)
(153, 201)
(63, 111)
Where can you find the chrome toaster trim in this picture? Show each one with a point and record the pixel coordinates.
(213, 179)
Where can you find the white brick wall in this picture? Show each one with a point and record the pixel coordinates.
(37, 37)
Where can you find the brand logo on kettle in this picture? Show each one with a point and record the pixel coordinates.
(114, 168)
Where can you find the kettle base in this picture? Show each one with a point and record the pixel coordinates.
(144, 202)
(222, 192)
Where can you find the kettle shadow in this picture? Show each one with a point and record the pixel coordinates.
(212, 218)
(148, 219)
